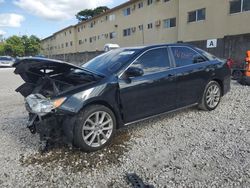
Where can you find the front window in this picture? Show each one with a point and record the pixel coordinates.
(153, 61)
(111, 62)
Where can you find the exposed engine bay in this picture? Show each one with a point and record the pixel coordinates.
(46, 81)
(50, 83)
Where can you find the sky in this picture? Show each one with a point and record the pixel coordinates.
(43, 17)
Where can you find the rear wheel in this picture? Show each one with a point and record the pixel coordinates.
(237, 75)
(211, 96)
(94, 128)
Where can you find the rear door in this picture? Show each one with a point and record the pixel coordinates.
(152, 93)
(193, 71)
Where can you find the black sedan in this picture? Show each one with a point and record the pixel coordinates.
(123, 86)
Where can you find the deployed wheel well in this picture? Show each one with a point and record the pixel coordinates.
(221, 85)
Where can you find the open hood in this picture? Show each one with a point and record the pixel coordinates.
(51, 77)
(31, 69)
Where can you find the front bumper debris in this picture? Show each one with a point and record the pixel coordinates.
(52, 128)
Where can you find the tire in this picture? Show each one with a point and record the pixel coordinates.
(211, 96)
(91, 136)
(242, 81)
(237, 75)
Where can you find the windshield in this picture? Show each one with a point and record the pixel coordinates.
(110, 62)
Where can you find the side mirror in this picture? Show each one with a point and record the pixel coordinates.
(134, 72)
(198, 59)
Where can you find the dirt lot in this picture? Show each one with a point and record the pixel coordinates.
(189, 148)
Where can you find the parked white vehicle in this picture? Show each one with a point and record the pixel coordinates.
(6, 61)
(108, 47)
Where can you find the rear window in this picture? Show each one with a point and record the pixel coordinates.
(207, 55)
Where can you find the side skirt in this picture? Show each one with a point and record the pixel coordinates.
(164, 113)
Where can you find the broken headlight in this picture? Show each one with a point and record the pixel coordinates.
(38, 104)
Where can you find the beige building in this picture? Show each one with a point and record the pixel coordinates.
(144, 22)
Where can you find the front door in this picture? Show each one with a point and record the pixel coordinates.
(152, 93)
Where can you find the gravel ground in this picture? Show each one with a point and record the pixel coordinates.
(189, 148)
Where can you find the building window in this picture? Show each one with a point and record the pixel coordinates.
(70, 31)
(66, 44)
(171, 22)
(140, 5)
(127, 32)
(166, 1)
(62, 46)
(150, 2)
(140, 27)
(197, 15)
(111, 17)
(126, 11)
(239, 6)
(150, 26)
(91, 25)
(112, 35)
(80, 42)
(71, 43)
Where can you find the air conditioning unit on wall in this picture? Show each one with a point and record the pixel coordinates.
(158, 23)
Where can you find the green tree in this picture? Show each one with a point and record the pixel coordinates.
(21, 46)
(14, 46)
(2, 52)
(89, 13)
(31, 45)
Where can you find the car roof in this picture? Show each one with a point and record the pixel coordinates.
(157, 45)
(171, 44)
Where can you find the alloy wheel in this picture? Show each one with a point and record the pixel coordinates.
(213, 96)
(97, 129)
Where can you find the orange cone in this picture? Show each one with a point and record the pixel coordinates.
(247, 73)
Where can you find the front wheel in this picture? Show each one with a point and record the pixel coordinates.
(211, 96)
(94, 128)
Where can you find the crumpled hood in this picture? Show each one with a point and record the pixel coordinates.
(31, 69)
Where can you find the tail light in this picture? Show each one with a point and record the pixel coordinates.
(230, 63)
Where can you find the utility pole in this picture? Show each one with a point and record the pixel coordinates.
(143, 35)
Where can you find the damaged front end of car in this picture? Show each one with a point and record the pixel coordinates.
(53, 92)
